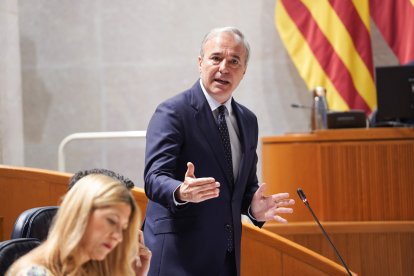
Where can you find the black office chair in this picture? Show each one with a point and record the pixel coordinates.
(11, 250)
(34, 223)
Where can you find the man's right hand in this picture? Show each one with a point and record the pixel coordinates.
(196, 189)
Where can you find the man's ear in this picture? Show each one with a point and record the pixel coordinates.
(200, 60)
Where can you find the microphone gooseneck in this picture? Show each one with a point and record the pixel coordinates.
(302, 196)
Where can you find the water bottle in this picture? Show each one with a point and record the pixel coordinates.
(319, 108)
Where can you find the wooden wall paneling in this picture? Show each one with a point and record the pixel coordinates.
(24, 188)
(407, 245)
(367, 180)
(1, 229)
(287, 167)
(368, 248)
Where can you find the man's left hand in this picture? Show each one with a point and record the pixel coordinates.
(265, 208)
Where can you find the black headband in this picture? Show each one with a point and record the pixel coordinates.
(77, 176)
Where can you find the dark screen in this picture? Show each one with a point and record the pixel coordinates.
(395, 93)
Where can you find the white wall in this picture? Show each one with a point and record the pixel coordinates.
(104, 65)
(11, 119)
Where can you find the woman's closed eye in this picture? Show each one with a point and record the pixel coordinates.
(112, 221)
(116, 223)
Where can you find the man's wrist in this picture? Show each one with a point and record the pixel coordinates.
(176, 199)
(249, 214)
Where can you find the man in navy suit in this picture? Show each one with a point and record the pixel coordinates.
(197, 187)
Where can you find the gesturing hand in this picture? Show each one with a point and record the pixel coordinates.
(197, 189)
(265, 208)
(142, 260)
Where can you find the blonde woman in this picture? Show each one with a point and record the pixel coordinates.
(95, 232)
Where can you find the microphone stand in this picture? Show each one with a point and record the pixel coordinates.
(305, 201)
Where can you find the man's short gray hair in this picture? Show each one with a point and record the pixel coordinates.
(232, 30)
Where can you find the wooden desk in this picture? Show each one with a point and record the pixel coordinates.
(347, 175)
(1, 229)
(360, 183)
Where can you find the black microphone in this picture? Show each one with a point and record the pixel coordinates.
(300, 106)
(305, 201)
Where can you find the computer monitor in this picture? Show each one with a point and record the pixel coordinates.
(395, 95)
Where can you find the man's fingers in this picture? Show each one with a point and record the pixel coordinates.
(190, 170)
(197, 189)
(282, 199)
(273, 213)
(285, 202)
(279, 210)
(261, 190)
(210, 193)
(280, 196)
(202, 181)
(201, 193)
(280, 219)
(283, 210)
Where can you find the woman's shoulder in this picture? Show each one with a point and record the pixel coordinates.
(30, 270)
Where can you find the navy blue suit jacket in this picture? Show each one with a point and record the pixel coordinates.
(191, 239)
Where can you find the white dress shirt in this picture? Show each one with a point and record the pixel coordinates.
(232, 126)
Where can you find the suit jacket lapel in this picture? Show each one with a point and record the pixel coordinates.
(207, 125)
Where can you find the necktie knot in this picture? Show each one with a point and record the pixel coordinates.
(222, 110)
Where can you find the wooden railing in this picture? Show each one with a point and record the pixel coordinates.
(266, 253)
(263, 252)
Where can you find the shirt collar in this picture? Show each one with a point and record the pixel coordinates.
(213, 103)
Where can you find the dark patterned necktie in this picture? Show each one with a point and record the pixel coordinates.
(225, 138)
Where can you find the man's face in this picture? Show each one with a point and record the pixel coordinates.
(223, 65)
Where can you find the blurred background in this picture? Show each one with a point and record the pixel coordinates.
(72, 66)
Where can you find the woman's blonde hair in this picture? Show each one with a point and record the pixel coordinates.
(60, 252)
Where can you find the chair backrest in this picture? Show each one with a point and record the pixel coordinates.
(34, 223)
(11, 250)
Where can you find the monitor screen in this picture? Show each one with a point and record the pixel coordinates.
(395, 94)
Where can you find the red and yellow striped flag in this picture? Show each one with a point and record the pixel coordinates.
(330, 45)
(395, 21)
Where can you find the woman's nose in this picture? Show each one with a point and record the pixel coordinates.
(118, 234)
